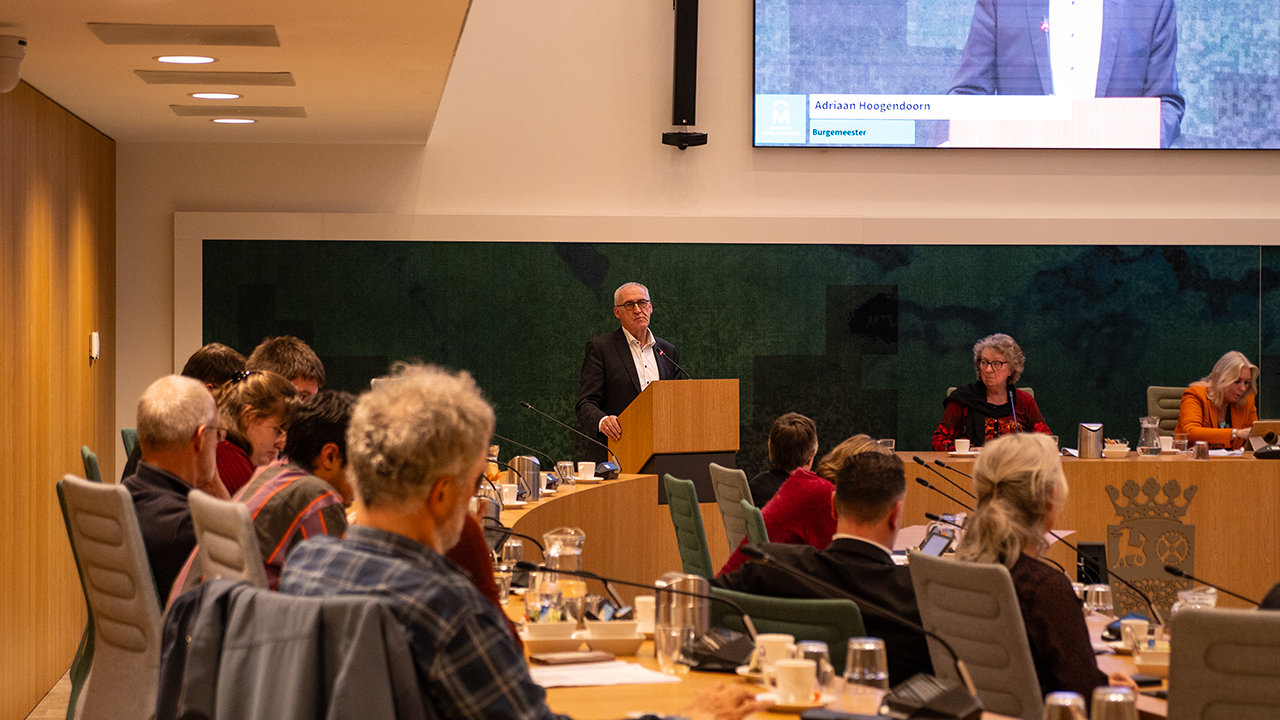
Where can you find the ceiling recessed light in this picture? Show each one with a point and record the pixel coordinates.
(234, 121)
(187, 59)
(216, 96)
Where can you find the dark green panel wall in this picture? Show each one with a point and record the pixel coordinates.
(861, 338)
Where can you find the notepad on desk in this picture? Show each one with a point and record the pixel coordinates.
(618, 672)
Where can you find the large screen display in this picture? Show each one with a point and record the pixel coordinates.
(1017, 73)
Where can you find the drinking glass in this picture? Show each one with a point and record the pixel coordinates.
(670, 643)
(1097, 599)
(502, 575)
(1063, 706)
(543, 601)
(512, 551)
(564, 471)
(866, 675)
(888, 444)
(1114, 703)
(1181, 443)
(817, 651)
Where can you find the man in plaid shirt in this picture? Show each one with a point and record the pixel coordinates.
(416, 448)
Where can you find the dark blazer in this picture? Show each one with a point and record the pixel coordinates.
(1007, 53)
(609, 382)
(865, 571)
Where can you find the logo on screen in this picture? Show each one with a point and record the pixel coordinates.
(781, 119)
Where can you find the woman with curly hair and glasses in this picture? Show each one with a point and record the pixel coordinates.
(255, 408)
(992, 406)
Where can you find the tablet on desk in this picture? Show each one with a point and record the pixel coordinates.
(935, 543)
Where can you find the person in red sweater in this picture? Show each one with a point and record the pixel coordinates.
(255, 407)
(982, 411)
(801, 512)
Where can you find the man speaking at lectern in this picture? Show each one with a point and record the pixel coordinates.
(621, 364)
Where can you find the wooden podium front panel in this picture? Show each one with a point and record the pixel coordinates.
(678, 416)
(1094, 123)
(1233, 512)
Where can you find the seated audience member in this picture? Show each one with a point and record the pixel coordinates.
(870, 489)
(212, 365)
(793, 442)
(416, 449)
(1219, 409)
(1021, 489)
(255, 408)
(288, 356)
(801, 512)
(178, 432)
(290, 502)
(982, 411)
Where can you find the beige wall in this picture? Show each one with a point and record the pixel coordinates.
(555, 109)
(57, 275)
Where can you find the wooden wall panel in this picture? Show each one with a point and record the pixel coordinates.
(57, 285)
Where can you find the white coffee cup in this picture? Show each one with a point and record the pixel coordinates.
(643, 613)
(772, 647)
(962, 445)
(795, 679)
(1133, 631)
(1166, 443)
(586, 470)
(510, 493)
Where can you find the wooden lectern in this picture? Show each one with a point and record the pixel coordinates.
(679, 427)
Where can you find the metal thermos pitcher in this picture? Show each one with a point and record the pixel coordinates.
(683, 610)
(1089, 445)
(527, 467)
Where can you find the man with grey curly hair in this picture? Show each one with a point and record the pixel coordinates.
(991, 407)
(416, 449)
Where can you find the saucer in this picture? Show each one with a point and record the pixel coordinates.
(823, 701)
(957, 453)
(589, 481)
(515, 504)
(745, 672)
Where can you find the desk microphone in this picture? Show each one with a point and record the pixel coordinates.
(500, 528)
(959, 703)
(920, 461)
(603, 469)
(673, 362)
(519, 477)
(1178, 572)
(925, 483)
(958, 472)
(746, 619)
(1112, 573)
(526, 447)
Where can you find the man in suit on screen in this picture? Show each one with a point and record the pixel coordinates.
(1075, 48)
(621, 364)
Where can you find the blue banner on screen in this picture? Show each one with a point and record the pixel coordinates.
(1097, 74)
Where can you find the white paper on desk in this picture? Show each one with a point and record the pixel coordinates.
(909, 537)
(1061, 534)
(1071, 452)
(618, 672)
(1227, 453)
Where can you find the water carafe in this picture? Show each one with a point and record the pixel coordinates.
(1149, 441)
(564, 552)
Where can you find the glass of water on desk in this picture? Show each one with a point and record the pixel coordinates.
(866, 676)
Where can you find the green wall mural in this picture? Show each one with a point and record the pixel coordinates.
(860, 338)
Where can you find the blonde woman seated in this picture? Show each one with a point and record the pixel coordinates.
(1021, 489)
(1219, 409)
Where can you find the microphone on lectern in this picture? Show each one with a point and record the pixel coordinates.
(603, 469)
(667, 357)
(925, 483)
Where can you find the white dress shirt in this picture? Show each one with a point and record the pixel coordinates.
(644, 357)
(1075, 41)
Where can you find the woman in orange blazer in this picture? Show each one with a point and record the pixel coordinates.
(1219, 409)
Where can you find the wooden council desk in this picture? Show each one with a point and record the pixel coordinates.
(629, 535)
(1224, 532)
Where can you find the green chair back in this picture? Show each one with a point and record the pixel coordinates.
(757, 533)
(83, 660)
(90, 461)
(129, 436)
(830, 621)
(686, 516)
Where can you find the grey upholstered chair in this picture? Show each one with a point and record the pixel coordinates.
(1164, 403)
(122, 596)
(731, 488)
(1225, 664)
(757, 533)
(974, 608)
(227, 539)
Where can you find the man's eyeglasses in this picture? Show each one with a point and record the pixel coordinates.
(221, 431)
(630, 305)
(993, 364)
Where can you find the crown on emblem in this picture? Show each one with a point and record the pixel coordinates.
(1144, 501)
